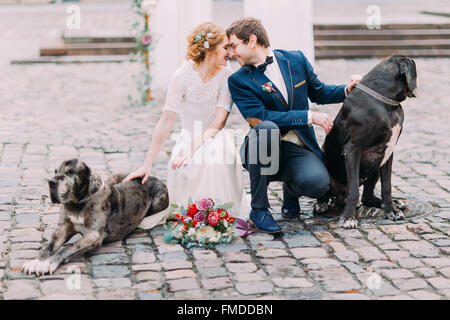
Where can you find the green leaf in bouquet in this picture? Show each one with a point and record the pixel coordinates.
(175, 206)
(225, 206)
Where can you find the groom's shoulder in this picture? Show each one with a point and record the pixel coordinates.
(239, 74)
(291, 54)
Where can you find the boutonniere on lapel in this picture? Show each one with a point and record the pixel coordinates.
(268, 87)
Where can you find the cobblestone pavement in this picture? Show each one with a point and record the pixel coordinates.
(50, 113)
(55, 112)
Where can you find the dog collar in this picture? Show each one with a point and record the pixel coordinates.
(377, 95)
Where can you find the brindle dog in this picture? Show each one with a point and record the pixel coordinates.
(99, 211)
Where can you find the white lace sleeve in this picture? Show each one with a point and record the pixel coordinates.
(224, 100)
(175, 93)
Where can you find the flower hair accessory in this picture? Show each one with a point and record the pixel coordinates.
(202, 37)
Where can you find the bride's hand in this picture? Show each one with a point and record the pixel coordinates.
(144, 171)
(182, 159)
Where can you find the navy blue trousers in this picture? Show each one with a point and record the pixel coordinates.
(301, 170)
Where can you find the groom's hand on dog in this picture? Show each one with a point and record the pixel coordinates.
(323, 120)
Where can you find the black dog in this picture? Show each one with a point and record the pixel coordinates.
(360, 147)
(100, 211)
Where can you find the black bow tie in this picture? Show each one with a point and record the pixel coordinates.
(262, 68)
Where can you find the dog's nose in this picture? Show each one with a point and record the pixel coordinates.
(52, 183)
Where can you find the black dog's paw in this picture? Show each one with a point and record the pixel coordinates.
(395, 215)
(320, 208)
(373, 202)
(348, 223)
(400, 205)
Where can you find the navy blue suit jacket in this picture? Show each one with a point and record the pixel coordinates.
(257, 105)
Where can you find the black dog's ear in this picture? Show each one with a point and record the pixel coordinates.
(408, 70)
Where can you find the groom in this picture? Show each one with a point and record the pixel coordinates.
(271, 91)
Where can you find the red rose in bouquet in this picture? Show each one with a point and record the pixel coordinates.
(192, 210)
(213, 218)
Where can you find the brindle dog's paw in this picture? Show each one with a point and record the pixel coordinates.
(395, 215)
(320, 208)
(348, 223)
(39, 267)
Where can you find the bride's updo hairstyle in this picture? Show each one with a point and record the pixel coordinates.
(205, 38)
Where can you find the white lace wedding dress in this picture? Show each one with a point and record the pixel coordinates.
(215, 170)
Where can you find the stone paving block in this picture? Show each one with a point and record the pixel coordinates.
(370, 254)
(302, 294)
(241, 267)
(147, 267)
(424, 295)
(116, 294)
(208, 263)
(183, 284)
(292, 283)
(277, 270)
(179, 274)
(267, 245)
(110, 259)
(344, 285)
(112, 283)
(148, 276)
(437, 262)
(303, 253)
(349, 296)
(271, 253)
(352, 267)
(287, 261)
(249, 288)
(22, 289)
(107, 271)
(410, 284)
(351, 233)
(425, 272)
(217, 283)
(410, 263)
(142, 257)
(445, 272)
(393, 274)
(237, 257)
(301, 239)
(347, 255)
(176, 264)
(319, 263)
(394, 229)
(439, 283)
(420, 249)
(250, 277)
(395, 255)
(212, 272)
(204, 254)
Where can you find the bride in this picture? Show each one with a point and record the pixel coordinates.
(204, 161)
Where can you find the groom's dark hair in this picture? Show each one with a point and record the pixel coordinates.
(245, 27)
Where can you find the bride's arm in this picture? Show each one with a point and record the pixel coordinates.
(162, 131)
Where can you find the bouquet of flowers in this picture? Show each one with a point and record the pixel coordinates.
(204, 224)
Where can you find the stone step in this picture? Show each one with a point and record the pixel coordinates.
(395, 34)
(96, 39)
(383, 27)
(89, 49)
(76, 59)
(381, 53)
(382, 44)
